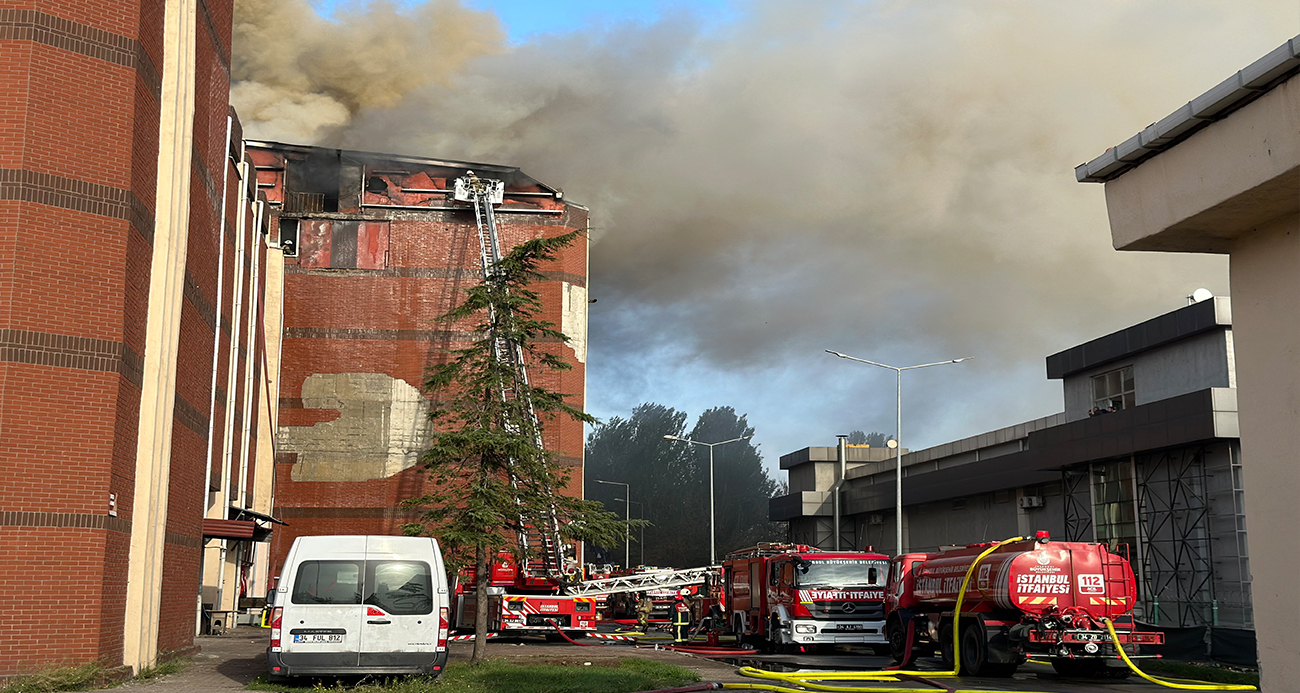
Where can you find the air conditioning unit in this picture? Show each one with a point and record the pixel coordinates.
(1031, 502)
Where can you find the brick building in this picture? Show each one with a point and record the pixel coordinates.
(382, 251)
(123, 203)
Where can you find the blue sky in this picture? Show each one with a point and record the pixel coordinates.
(525, 19)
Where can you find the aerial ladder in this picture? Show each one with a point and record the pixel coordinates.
(551, 570)
(483, 194)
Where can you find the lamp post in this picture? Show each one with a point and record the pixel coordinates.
(713, 530)
(627, 534)
(641, 529)
(898, 437)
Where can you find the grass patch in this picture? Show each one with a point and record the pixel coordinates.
(624, 675)
(1200, 672)
(75, 678)
(171, 666)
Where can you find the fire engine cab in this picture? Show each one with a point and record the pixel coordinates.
(791, 595)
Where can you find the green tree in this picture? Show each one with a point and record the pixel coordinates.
(742, 487)
(671, 481)
(494, 479)
(633, 451)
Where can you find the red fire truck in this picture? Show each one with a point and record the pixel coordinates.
(521, 604)
(791, 595)
(1032, 597)
(623, 604)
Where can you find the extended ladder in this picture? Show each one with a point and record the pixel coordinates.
(483, 193)
(654, 580)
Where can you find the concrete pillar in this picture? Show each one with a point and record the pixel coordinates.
(1266, 333)
(158, 396)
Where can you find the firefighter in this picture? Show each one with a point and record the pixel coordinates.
(644, 606)
(681, 619)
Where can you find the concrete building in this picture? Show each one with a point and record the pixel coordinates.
(382, 250)
(1222, 175)
(123, 363)
(1159, 479)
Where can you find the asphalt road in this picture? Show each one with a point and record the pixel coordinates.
(1029, 678)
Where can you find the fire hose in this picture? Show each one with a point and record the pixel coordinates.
(801, 682)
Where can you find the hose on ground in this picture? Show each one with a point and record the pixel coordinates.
(1183, 684)
(801, 682)
(564, 635)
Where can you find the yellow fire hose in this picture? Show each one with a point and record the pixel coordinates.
(1184, 684)
(801, 682)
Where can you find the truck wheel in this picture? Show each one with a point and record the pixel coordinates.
(896, 634)
(945, 645)
(974, 651)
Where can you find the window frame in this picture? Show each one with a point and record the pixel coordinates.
(1118, 389)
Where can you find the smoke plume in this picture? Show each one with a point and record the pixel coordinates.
(889, 178)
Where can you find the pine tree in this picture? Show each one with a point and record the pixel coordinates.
(494, 479)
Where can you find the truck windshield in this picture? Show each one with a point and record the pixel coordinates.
(842, 572)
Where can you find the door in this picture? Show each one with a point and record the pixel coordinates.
(322, 619)
(401, 604)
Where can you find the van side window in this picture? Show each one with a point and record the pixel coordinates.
(328, 582)
(402, 588)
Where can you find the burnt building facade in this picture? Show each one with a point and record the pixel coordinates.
(382, 250)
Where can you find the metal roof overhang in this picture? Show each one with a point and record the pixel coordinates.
(1195, 417)
(229, 529)
(1245, 86)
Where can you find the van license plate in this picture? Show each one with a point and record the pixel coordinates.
(317, 638)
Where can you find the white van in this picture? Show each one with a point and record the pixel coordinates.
(359, 605)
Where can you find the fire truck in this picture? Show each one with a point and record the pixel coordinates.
(1031, 597)
(542, 590)
(782, 596)
(623, 604)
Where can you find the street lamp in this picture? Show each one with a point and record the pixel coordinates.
(713, 530)
(627, 534)
(898, 437)
(641, 529)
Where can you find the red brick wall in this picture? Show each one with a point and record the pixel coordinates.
(79, 109)
(382, 321)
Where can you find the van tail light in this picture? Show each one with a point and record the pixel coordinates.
(442, 628)
(276, 615)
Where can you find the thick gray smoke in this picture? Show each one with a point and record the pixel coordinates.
(890, 178)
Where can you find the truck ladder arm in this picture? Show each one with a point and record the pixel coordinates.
(480, 192)
(660, 579)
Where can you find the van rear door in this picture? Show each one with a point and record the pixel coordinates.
(401, 599)
(322, 619)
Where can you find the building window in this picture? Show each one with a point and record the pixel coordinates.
(1113, 391)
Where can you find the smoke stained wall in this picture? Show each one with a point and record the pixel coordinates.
(891, 179)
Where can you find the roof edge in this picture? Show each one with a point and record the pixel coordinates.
(1248, 84)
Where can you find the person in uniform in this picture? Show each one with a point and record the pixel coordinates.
(681, 619)
(644, 606)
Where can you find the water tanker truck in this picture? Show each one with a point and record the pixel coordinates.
(1034, 597)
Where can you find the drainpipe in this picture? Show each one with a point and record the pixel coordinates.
(255, 273)
(216, 337)
(233, 369)
(841, 454)
(216, 358)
